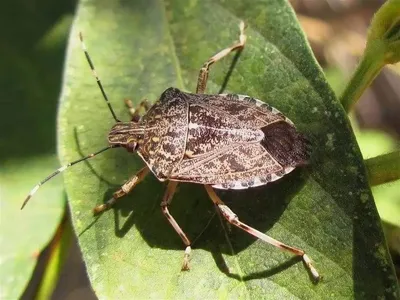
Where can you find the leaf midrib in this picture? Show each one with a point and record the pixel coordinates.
(178, 70)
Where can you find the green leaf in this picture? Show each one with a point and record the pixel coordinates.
(29, 91)
(59, 248)
(25, 233)
(139, 49)
(381, 155)
(382, 167)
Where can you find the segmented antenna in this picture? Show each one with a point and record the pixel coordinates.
(97, 77)
(62, 169)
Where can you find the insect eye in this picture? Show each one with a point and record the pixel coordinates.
(131, 146)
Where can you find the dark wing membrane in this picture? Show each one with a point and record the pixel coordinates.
(164, 140)
(286, 145)
(235, 167)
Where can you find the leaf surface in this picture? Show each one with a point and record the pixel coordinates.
(25, 233)
(140, 48)
(27, 143)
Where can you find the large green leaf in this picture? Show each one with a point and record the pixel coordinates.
(142, 47)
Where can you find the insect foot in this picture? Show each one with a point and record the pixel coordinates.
(185, 265)
(309, 265)
(169, 193)
(234, 220)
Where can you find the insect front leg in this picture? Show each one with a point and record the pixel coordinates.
(135, 112)
(164, 207)
(124, 190)
(233, 219)
(203, 75)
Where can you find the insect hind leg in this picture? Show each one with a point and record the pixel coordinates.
(203, 75)
(135, 111)
(164, 207)
(233, 219)
(124, 190)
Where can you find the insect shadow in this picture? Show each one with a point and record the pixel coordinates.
(88, 164)
(259, 207)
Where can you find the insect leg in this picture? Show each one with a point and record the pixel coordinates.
(233, 219)
(135, 112)
(164, 207)
(203, 75)
(124, 190)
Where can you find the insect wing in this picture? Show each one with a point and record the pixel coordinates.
(287, 146)
(240, 167)
(249, 111)
(210, 129)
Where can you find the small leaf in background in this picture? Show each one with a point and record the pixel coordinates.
(387, 196)
(29, 93)
(139, 49)
(25, 233)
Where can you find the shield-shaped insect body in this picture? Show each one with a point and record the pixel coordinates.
(227, 141)
(223, 141)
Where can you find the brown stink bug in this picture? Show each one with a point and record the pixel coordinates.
(223, 141)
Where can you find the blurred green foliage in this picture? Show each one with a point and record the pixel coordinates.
(31, 76)
(33, 40)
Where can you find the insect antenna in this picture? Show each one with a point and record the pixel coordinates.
(97, 77)
(62, 169)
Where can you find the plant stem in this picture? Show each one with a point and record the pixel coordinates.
(383, 168)
(369, 67)
(59, 246)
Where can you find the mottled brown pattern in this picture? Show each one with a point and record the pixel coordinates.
(227, 149)
(228, 141)
(211, 129)
(239, 163)
(244, 109)
(165, 133)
